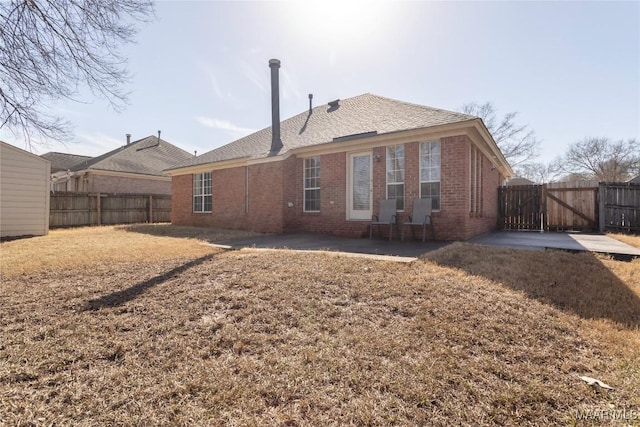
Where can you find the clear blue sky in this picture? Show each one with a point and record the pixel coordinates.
(200, 73)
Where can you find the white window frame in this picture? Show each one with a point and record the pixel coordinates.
(427, 164)
(202, 192)
(392, 174)
(305, 176)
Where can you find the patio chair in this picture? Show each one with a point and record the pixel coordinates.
(388, 216)
(421, 216)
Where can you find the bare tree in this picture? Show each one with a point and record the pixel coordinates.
(602, 159)
(517, 142)
(540, 173)
(49, 49)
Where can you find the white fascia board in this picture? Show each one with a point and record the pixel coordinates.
(208, 167)
(484, 141)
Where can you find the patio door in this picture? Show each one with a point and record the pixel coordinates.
(359, 186)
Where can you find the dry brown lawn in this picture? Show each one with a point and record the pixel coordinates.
(150, 327)
(629, 239)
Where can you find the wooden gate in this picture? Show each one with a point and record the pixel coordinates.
(620, 207)
(556, 206)
(571, 206)
(520, 207)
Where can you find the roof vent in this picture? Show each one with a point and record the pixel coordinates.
(334, 104)
(355, 136)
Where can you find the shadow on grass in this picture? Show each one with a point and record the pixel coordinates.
(576, 282)
(207, 234)
(116, 299)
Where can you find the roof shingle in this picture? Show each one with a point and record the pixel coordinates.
(147, 156)
(358, 115)
(63, 161)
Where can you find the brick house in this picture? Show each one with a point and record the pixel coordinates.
(326, 169)
(135, 168)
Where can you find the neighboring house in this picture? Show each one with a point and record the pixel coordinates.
(635, 180)
(519, 181)
(61, 165)
(64, 162)
(135, 168)
(326, 169)
(24, 193)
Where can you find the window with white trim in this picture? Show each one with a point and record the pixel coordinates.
(430, 172)
(312, 184)
(202, 197)
(395, 175)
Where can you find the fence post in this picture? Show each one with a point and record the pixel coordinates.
(99, 209)
(602, 201)
(544, 225)
(150, 209)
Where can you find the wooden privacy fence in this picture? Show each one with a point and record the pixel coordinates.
(583, 206)
(620, 207)
(81, 209)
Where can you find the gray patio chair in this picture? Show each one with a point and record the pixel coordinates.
(421, 216)
(388, 216)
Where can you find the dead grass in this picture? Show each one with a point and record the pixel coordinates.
(281, 338)
(101, 247)
(208, 234)
(629, 239)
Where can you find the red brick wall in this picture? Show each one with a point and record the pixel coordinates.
(230, 203)
(229, 198)
(332, 216)
(118, 184)
(266, 197)
(450, 222)
(276, 201)
(228, 209)
(181, 200)
(486, 219)
(454, 221)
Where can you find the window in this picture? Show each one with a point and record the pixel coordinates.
(312, 184)
(202, 199)
(395, 175)
(430, 172)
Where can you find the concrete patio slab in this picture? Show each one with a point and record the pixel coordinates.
(535, 240)
(408, 250)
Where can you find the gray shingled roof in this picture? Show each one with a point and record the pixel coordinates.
(63, 161)
(148, 156)
(357, 115)
(520, 181)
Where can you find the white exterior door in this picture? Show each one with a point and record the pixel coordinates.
(359, 186)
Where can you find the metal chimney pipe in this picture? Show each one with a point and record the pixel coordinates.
(158, 136)
(310, 102)
(276, 141)
(128, 138)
